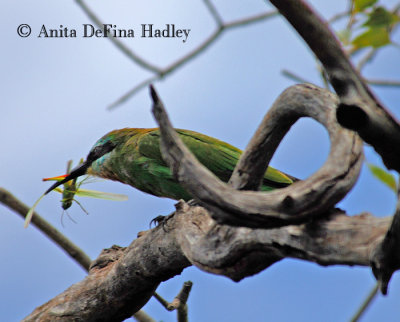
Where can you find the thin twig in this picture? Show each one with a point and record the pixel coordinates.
(161, 72)
(324, 76)
(383, 82)
(47, 229)
(179, 302)
(214, 12)
(361, 310)
(77, 254)
(167, 70)
(132, 92)
(352, 18)
(367, 58)
(338, 16)
(120, 45)
(192, 54)
(293, 76)
(251, 20)
(161, 300)
(202, 47)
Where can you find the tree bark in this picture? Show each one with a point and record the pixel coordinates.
(121, 280)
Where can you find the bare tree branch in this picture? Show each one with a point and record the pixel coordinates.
(367, 58)
(386, 258)
(192, 54)
(338, 16)
(383, 82)
(359, 109)
(119, 44)
(297, 203)
(214, 12)
(179, 302)
(133, 91)
(293, 76)
(119, 283)
(123, 279)
(77, 254)
(365, 304)
(7, 199)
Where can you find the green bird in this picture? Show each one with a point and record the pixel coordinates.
(132, 156)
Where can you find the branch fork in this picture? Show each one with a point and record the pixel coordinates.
(296, 204)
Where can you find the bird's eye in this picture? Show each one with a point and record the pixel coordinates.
(96, 153)
(99, 151)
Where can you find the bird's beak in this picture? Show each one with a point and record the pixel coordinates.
(78, 171)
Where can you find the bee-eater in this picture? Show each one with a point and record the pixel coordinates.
(132, 156)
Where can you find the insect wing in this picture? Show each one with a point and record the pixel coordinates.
(101, 195)
(29, 215)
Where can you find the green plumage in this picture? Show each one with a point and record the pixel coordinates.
(136, 160)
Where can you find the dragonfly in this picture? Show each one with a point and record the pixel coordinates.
(72, 188)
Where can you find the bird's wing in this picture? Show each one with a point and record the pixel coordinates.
(218, 156)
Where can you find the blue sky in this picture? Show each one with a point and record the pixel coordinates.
(54, 97)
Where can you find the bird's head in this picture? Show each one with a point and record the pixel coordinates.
(97, 154)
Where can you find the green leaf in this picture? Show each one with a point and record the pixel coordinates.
(375, 37)
(384, 176)
(344, 36)
(380, 17)
(360, 5)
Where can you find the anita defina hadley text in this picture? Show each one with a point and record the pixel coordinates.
(89, 31)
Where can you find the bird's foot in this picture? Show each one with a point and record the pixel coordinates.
(161, 220)
(157, 221)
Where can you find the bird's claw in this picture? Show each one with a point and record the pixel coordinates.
(157, 221)
(161, 220)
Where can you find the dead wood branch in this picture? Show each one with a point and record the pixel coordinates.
(359, 109)
(297, 203)
(386, 257)
(123, 279)
(119, 283)
(179, 302)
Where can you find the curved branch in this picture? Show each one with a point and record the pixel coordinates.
(359, 109)
(297, 203)
(122, 279)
